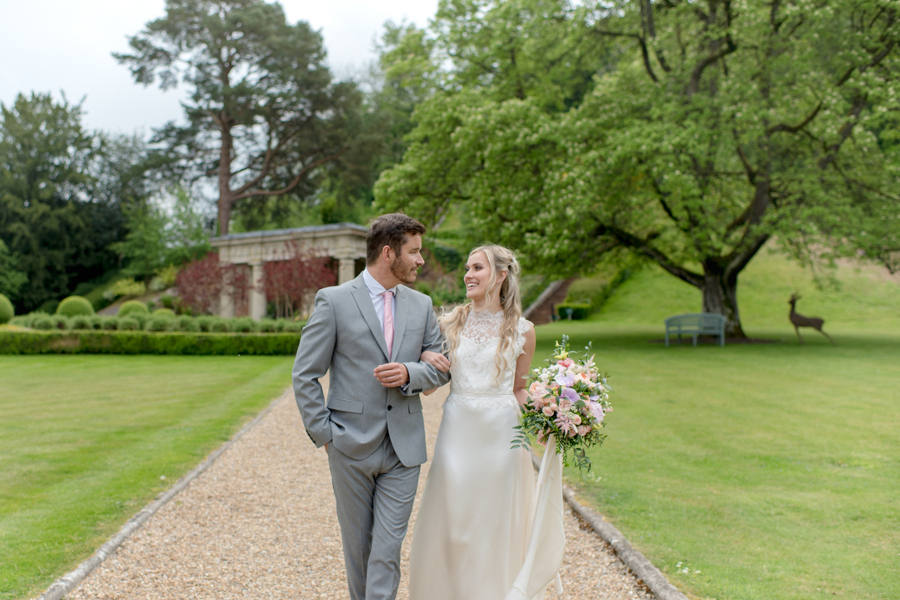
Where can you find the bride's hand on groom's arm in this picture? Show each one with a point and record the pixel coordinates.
(436, 360)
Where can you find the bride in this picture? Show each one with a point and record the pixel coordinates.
(473, 537)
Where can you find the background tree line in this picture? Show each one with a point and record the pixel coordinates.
(269, 138)
(689, 134)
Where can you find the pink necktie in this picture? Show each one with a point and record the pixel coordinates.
(388, 321)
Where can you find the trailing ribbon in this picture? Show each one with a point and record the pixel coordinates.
(547, 540)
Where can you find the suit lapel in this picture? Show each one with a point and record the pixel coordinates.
(400, 318)
(364, 302)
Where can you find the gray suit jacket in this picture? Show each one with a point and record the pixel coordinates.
(343, 335)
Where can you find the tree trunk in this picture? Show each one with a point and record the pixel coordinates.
(226, 195)
(720, 297)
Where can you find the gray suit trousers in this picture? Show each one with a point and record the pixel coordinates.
(374, 502)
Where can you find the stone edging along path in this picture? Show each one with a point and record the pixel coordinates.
(71, 580)
(186, 491)
(643, 569)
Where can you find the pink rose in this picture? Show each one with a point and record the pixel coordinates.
(576, 418)
(583, 430)
(566, 362)
(548, 410)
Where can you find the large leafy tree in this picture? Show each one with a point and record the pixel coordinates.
(701, 132)
(168, 231)
(264, 115)
(57, 218)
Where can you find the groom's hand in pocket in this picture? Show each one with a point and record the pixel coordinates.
(392, 375)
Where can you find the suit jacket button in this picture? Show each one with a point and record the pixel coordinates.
(390, 407)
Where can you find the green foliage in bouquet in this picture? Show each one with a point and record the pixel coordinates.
(567, 400)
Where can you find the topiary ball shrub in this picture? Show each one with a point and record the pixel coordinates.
(220, 325)
(160, 323)
(44, 323)
(129, 324)
(141, 319)
(268, 325)
(110, 323)
(7, 312)
(74, 306)
(205, 322)
(185, 323)
(132, 308)
(164, 313)
(97, 322)
(244, 325)
(81, 322)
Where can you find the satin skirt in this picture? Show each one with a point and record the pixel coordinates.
(473, 526)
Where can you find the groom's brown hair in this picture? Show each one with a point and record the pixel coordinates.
(390, 230)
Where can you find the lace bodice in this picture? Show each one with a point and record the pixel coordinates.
(474, 381)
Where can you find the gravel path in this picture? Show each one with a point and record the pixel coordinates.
(261, 523)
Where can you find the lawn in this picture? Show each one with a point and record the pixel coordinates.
(86, 441)
(767, 471)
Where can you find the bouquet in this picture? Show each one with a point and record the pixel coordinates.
(566, 404)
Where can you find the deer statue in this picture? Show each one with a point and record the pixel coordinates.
(799, 320)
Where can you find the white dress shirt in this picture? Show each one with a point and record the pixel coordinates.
(375, 293)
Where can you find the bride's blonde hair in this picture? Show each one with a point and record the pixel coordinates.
(499, 260)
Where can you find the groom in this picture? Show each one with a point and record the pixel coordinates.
(370, 333)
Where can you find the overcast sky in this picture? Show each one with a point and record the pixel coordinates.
(66, 45)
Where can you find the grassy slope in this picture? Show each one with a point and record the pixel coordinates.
(771, 469)
(85, 440)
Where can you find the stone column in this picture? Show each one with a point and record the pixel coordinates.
(257, 293)
(226, 303)
(346, 270)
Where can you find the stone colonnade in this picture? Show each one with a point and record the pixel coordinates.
(344, 242)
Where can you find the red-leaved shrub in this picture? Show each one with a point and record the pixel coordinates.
(290, 283)
(200, 284)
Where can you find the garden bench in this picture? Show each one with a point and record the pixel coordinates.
(696, 324)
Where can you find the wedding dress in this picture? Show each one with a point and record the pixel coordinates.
(481, 531)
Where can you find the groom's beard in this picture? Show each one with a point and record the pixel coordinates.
(403, 271)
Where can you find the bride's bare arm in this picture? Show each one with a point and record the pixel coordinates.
(523, 367)
(438, 361)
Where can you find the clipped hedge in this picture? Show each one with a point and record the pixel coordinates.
(579, 311)
(7, 312)
(74, 306)
(143, 342)
(80, 322)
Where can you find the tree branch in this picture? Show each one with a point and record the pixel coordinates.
(796, 128)
(296, 180)
(694, 83)
(846, 129)
(643, 247)
(643, 43)
(738, 260)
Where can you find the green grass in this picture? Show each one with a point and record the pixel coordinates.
(85, 441)
(864, 300)
(772, 469)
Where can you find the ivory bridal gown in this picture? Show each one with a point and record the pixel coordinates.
(484, 531)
